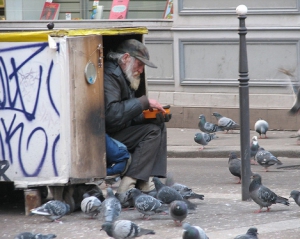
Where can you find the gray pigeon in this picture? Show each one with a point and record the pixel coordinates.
(234, 165)
(261, 127)
(111, 207)
(178, 211)
(254, 146)
(204, 138)
(91, 206)
(251, 234)
(146, 204)
(266, 159)
(192, 232)
(226, 123)
(167, 194)
(296, 107)
(207, 127)
(295, 194)
(29, 235)
(263, 196)
(123, 229)
(185, 191)
(53, 210)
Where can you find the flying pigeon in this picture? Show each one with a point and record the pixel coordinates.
(295, 194)
(253, 149)
(263, 196)
(123, 229)
(234, 165)
(185, 191)
(266, 159)
(53, 210)
(29, 235)
(192, 232)
(145, 204)
(91, 206)
(207, 127)
(225, 123)
(261, 127)
(167, 194)
(204, 138)
(178, 211)
(251, 234)
(296, 107)
(111, 206)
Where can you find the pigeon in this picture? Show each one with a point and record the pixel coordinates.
(145, 204)
(296, 107)
(261, 127)
(234, 165)
(167, 194)
(225, 123)
(254, 146)
(266, 159)
(122, 229)
(207, 127)
(204, 138)
(91, 206)
(185, 191)
(192, 232)
(111, 208)
(53, 210)
(295, 194)
(178, 211)
(29, 235)
(263, 196)
(251, 234)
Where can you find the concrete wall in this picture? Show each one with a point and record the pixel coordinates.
(197, 54)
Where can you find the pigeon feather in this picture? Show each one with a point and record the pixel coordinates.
(91, 206)
(207, 127)
(266, 159)
(29, 235)
(111, 208)
(178, 211)
(261, 127)
(122, 229)
(225, 122)
(251, 234)
(234, 165)
(295, 194)
(263, 196)
(204, 138)
(193, 232)
(53, 210)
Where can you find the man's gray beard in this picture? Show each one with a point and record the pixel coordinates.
(133, 77)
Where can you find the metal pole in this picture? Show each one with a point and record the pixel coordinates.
(244, 103)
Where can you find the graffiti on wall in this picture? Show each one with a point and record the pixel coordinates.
(29, 110)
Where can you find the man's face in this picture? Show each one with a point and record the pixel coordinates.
(133, 68)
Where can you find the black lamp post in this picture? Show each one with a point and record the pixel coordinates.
(241, 10)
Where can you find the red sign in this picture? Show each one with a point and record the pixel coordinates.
(119, 9)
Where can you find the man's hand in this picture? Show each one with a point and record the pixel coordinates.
(155, 104)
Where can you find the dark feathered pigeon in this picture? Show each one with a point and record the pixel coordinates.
(111, 207)
(178, 211)
(204, 138)
(167, 194)
(295, 194)
(266, 159)
(207, 127)
(225, 122)
(296, 107)
(146, 204)
(251, 234)
(123, 229)
(53, 210)
(254, 146)
(185, 191)
(29, 235)
(261, 127)
(192, 232)
(234, 165)
(263, 196)
(91, 206)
